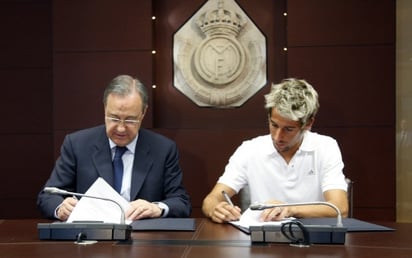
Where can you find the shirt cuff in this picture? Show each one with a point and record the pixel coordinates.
(163, 207)
(55, 211)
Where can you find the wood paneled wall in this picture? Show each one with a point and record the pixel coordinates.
(58, 56)
(26, 152)
(347, 50)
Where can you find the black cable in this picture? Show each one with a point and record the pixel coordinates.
(291, 231)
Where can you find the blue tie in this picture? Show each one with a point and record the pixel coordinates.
(118, 168)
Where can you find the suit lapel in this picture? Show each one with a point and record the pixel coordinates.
(102, 158)
(141, 167)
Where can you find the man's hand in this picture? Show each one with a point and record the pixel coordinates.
(277, 213)
(224, 212)
(143, 209)
(66, 208)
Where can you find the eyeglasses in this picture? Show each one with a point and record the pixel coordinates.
(125, 122)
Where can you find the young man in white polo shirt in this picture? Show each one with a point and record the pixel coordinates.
(289, 165)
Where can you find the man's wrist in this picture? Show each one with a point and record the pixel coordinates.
(56, 212)
(163, 208)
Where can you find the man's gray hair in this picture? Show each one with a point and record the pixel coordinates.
(124, 85)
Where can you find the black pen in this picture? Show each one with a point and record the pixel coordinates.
(227, 198)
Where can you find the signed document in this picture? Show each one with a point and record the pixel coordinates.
(92, 209)
(252, 218)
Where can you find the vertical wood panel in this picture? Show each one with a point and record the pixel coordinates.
(25, 104)
(80, 79)
(25, 28)
(346, 49)
(355, 83)
(102, 25)
(340, 22)
(106, 39)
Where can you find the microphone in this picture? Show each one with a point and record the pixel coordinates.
(295, 231)
(58, 191)
(80, 231)
(260, 206)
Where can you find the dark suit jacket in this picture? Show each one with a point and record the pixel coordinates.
(85, 156)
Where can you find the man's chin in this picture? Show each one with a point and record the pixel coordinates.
(281, 149)
(120, 141)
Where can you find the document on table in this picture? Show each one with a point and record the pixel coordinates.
(92, 209)
(252, 218)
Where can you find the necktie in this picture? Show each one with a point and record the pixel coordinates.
(118, 168)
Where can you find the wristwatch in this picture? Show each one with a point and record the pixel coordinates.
(162, 207)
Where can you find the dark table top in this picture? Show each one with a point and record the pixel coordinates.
(19, 238)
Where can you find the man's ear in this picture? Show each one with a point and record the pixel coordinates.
(309, 124)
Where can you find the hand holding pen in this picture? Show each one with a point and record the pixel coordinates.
(231, 212)
(227, 198)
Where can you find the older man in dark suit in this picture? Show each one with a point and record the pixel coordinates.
(151, 178)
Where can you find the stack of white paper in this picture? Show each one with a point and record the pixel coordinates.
(91, 209)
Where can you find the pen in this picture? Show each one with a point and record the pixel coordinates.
(227, 198)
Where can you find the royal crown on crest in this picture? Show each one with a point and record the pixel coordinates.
(220, 21)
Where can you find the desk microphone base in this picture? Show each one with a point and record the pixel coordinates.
(84, 231)
(318, 234)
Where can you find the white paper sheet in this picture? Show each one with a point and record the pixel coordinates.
(91, 209)
(252, 218)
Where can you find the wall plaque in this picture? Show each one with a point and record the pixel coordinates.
(219, 56)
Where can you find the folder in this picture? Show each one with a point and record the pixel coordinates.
(165, 224)
(351, 224)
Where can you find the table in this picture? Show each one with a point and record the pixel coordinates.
(19, 238)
